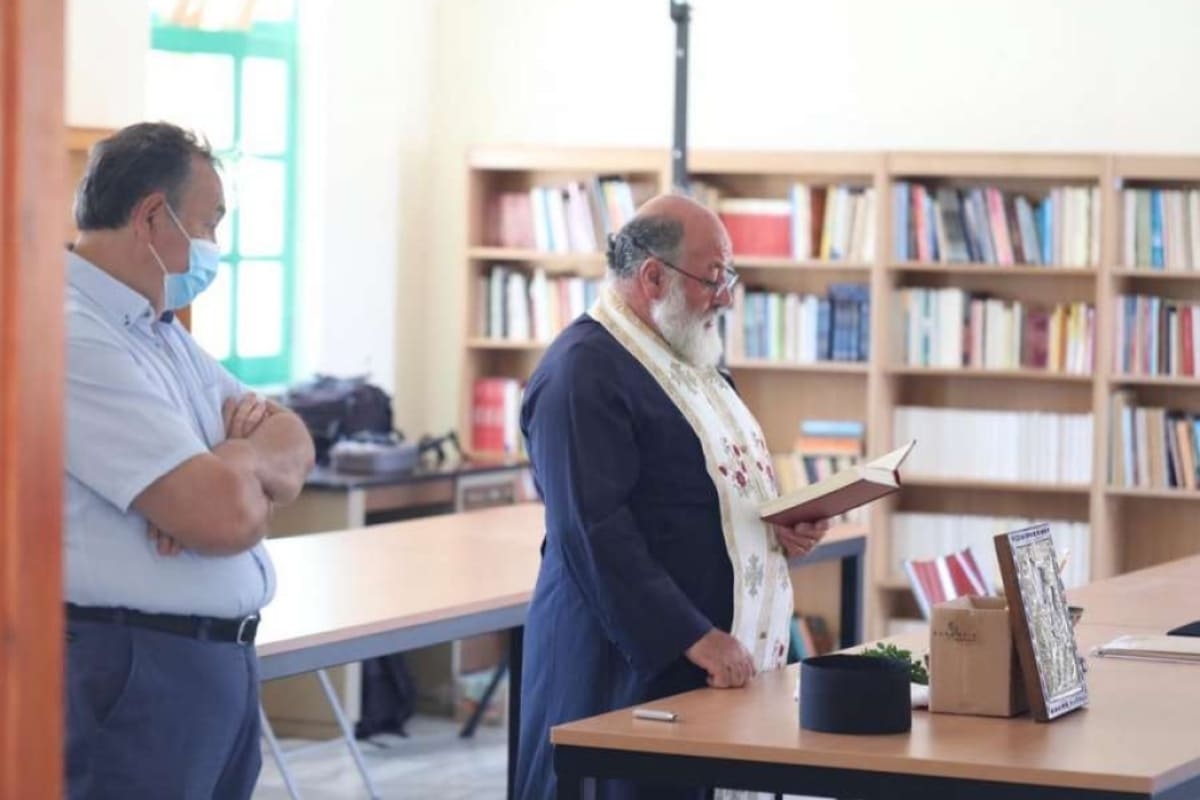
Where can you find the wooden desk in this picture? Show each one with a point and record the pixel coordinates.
(333, 501)
(1160, 597)
(356, 594)
(1138, 737)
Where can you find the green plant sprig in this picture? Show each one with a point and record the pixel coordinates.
(917, 671)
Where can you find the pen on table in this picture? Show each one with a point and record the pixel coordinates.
(650, 713)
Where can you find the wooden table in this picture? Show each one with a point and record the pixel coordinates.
(1161, 597)
(1138, 737)
(356, 594)
(334, 501)
(337, 501)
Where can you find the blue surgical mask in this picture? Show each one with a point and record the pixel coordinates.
(203, 258)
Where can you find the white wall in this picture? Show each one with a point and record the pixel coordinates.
(363, 210)
(106, 49)
(365, 105)
(395, 92)
(1074, 75)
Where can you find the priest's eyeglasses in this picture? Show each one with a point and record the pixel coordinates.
(729, 276)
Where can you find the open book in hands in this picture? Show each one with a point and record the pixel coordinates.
(840, 492)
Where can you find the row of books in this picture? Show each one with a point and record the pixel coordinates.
(1152, 447)
(574, 217)
(1161, 229)
(517, 306)
(919, 535)
(1024, 446)
(822, 448)
(495, 416)
(985, 225)
(814, 222)
(1156, 336)
(954, 328)
(800, 328)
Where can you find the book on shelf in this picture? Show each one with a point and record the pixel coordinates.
(1153, 647)
(1153, 447)
(814, 222)
(569, 217)
(1027, 447)
(495, 416)
(839, 493)
(1161, 229)
(921, 536)
(517, 306)
(800, 328)
(1156, 336)
(951, 327)
(823, 448)
(984, 225)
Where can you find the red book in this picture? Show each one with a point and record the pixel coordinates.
(758, 227)
(487, 415)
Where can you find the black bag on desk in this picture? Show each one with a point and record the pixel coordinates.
(336, 408)
(388, 697)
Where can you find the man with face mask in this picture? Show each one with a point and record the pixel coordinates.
(172, 469)
(657, 574)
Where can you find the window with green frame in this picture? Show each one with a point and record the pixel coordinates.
(234, 82)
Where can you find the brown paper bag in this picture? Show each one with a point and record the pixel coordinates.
(973, 665)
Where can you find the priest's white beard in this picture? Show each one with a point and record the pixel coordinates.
(694, 337)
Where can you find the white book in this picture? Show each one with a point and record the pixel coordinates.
(1153, 647)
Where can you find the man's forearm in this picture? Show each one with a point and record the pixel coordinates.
(285, 455)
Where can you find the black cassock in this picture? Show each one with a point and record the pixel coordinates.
(634, 567)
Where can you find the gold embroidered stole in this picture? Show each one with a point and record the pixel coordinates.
(739, 465)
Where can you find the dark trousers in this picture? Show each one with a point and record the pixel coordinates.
(157, 716)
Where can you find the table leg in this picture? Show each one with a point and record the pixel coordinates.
(280, 759)
(516, 641)
(468, 730)
(853, 567)
(347, 733)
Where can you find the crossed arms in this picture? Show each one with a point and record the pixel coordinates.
(219, 503)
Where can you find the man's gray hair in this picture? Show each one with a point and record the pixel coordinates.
(641, 238)
(135, 162)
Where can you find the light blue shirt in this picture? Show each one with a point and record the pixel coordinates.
(141, 399)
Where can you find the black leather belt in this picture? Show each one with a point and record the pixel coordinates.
(216, 629)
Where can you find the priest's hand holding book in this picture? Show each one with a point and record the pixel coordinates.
(837, 494)
(800, 538)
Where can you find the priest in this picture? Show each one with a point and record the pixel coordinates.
(657, 574)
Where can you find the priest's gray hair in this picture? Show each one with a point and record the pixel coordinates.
(653, 235)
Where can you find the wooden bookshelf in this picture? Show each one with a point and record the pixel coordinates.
(782, 393)
(1145, 274)
(483, 343)
(979, 373)
(1154, 494)
(975, 485)
(549, 260)
(1142, 525)
(747, 263)
(1169, 381)
(830, 367)
(996, 270)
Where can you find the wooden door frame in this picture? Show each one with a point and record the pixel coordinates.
(32, 177)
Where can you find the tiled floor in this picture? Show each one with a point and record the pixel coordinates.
(431, 763)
